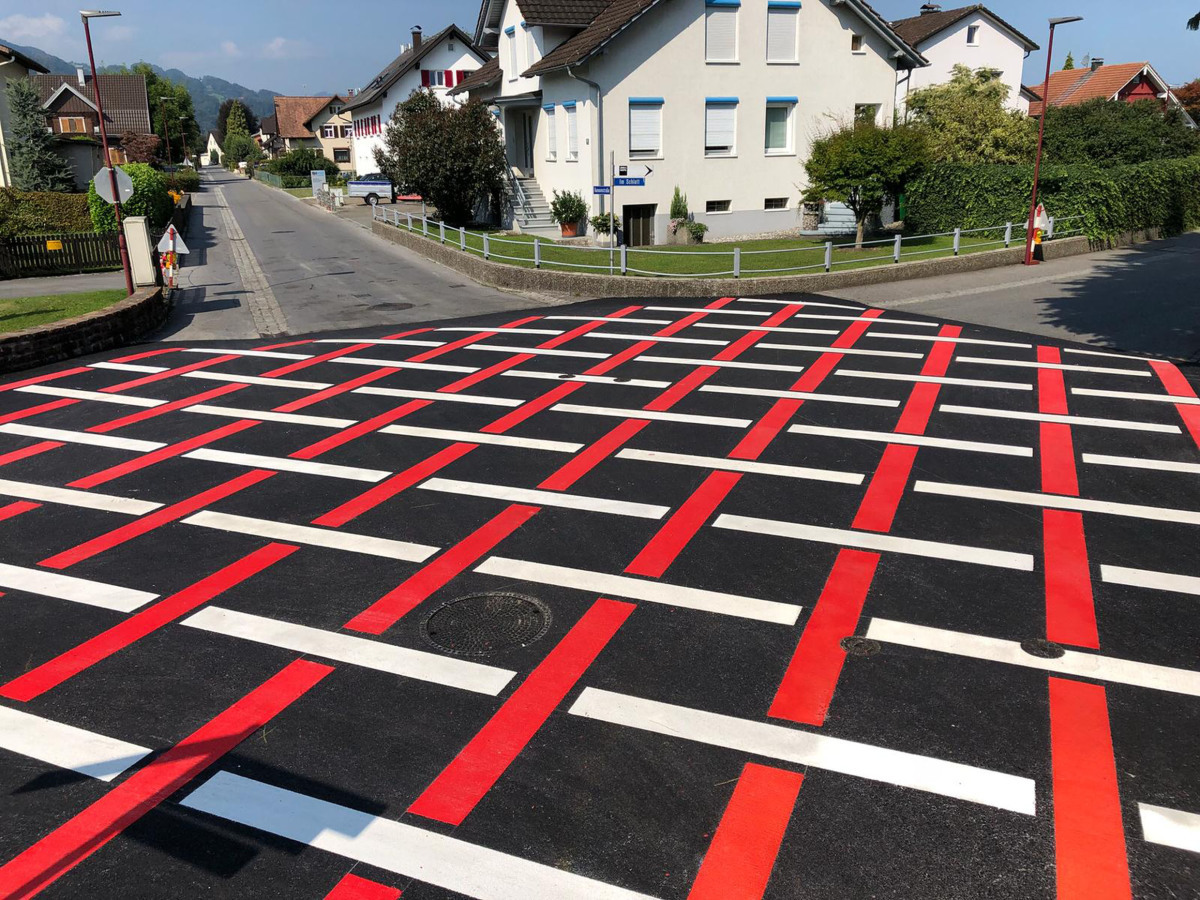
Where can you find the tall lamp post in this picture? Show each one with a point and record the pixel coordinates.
(162, 113)
(183, 137)
(1037, 166)
(86, 14)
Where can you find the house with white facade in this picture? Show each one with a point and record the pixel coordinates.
(720, 98)
(13, 65)
(972, 36)
(439, 63)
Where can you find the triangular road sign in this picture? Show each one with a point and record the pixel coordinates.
(165, 244)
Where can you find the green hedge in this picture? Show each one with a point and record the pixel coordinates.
(150, 199)
(28, 212)
(296, 181)
(1163, 193)
(185, 179)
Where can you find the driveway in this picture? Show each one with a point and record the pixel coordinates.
(628, 599)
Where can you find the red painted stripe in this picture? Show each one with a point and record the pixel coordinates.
(74, 841)
(351, 887)
(355, 431)
(878, 507)
(532, 407)
(914, 418)
(385, 490)
(471, 774)
(592, 455)
(409, 333)
(143, 414)
(26, 452)
(315, 360)
(16, 508)
(668, 543)
(1052, 387)
(156, 456)
(162, 376)
(69, 664)
(681, 388)
(1178, 386)
(1057, 453)
(1070, 607)
(36, 410)
(742, 854)
(149, 353)
(1089, 838)
(153, 520)
(812, 674)
(285, 344)
(453, 345)
(618, 359)
(766, 429)
(335, 390)
(1191, 420)
(578, 330)
(39, 379)
(388, 609)
(484, 374)
(857, 329)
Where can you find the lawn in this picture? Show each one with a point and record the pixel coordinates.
(300, 191)
(25, 312)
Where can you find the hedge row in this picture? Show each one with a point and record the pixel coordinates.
(1163, 193)
(185, 180)
(42, 212)
(150, 199)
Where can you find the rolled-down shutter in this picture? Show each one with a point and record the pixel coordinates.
(781, 34)
(720, 24)
(551, 132)
(644, 128)
(572, 131)
(720, 121)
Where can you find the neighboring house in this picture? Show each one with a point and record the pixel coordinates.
(210, 146)
(268, 136)
(439, 63)
(721, 99)
(1128, 82)
(317, 122)
(13, 65)
(69, 103)
(972, 36)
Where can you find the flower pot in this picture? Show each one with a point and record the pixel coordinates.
(569, 229)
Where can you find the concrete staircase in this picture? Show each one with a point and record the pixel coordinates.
(837, 220)
(533, 218)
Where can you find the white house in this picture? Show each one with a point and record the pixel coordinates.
(972, 36)
(210, 147)
(13, 65)
(721, 99)
(439, 63)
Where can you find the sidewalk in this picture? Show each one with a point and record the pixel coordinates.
(61, 284)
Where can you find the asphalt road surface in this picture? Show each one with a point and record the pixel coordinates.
(777, 598)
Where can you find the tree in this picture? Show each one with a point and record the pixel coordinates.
(966, 120)
(1104, 133)
(1194, 22)
(240, 148)
(863, 166)
(223, 117)
(164, 116)
(1070, 62)
(142, 148)
(301, 161)
(452, 156)
(236, 123)
(1189, 97)
(36, 166)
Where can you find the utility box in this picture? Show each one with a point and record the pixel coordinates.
(141, 256)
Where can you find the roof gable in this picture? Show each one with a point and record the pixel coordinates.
(125, 105)
(1073, 86)
(293, 113)
(918, 29)
(31, 64)
(409, 60)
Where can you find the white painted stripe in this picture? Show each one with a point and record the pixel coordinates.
(479, 437)
(726, 311)
(619, 320)
(447, 862)
(1066, 367)
(498, 332)
(127, 367)
(876, 321)
(852, 351)
(402, 364)
(71, 497)
(1121, 424)
(651, 415)
(404, 342)
(1132, 395)
(76, 590)
(639, 589)
(916, 440)
(1059, 501)
(1107, 353)
(882, 542)
(119, 399)
(254, 379)
(808, 748)
(944, 339)
(1146, 578)
(283, 464)
(66, 746)
(742, 465)
(768, 329)
(720, 364)
(437, 395)
(649, 337)
(804, 303)
(358, 651)
(1136, 462)
(1170, 827)
(262, 415)
(315, 537)
(933, 379)
(545, 498)
(80, 437)
(587, 379)
(800, 395)
(1072, 662)
(266, 354)
(540, 351)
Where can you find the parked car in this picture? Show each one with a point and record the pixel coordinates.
(371, 188)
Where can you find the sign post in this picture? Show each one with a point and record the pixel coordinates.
(318, 181)
(169, 248)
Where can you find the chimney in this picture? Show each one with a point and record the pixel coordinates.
(79, 75)
(416, 36)
(1097, 62)
(927, 8)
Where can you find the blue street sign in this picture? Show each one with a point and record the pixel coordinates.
(629, 182)
(601, 189)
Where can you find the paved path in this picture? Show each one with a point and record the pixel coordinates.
(1143, 299)
(826, 603)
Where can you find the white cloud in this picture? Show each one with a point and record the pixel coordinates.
(24, 29)
(285, 48)
(229, 48)
(119, 32)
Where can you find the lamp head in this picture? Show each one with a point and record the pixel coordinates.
(98, 13)
(1064, 20)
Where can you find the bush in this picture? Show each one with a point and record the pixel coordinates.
(184, 180)
(150, 199)
(301, 162)
(604, 224)
(679, 205)
(42, 213)
(568, 207)
(240, 148)
(697, 230)
(295, 181)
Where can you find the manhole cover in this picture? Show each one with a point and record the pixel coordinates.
(1042, 649)
(859, 646)
(483, 624)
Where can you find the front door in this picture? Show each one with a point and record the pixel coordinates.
(638, 223)
(527, 138)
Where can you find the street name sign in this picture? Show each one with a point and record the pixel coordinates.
(601, 189)
(629, 182)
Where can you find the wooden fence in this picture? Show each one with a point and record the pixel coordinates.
(58, 254)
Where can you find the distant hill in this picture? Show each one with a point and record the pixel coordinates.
(208, 91)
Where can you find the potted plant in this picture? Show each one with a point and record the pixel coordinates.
(603, 226)
(568, 209)
(683, 229)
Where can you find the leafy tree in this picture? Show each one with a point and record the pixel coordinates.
(301, 162)
(1070, 62)
(1189, 96)
(164, 117)
(1194, 22)
(451, 156)
(966, 121)
(223, 117)
(863, 166)
(142, 148)
(241, 148)
(150, 199)
(236, 123)
(1105, 133)
(35, 164)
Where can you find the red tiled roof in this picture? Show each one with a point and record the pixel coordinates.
(293, 114)
(1073, 86)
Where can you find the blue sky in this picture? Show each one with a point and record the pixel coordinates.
(297, 47)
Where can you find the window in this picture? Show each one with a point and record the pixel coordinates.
(551, 133)
(450, 46)
(778, 140)
(856, 43)
(720, 30)
(972, 35)
(511, 35)
(530, 46)
(335, 109)
(720, 125)
(572, 130)
(341, 156)
(328, 131)
(775, 203)
(716, 206)
(645, 127)
(347, 131)
(865, 112)
(72, 124)
(783, 18)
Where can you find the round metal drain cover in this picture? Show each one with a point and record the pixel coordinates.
(483, 624)
(1042, 649)
(859, 646)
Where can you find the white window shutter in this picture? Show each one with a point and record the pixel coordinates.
(720, 23)
(572, 132)
(551, 133)
(645, 128)
(781, 35)
(719, 124)
(512, 56)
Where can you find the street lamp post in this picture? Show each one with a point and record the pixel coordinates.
(162, 112)
(86, 14)
(183, 137)
(1037, 165)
